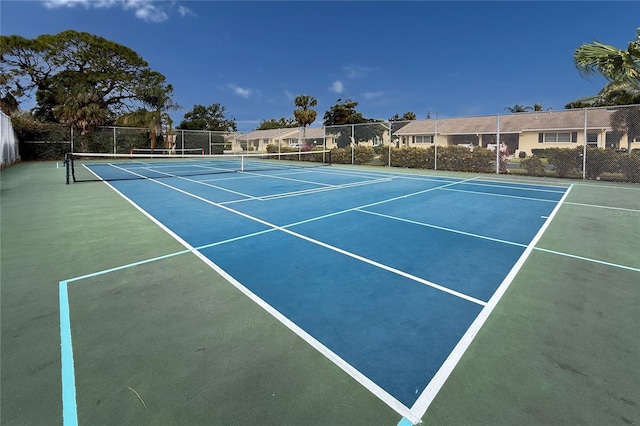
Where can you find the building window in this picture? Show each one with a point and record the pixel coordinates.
(592, 139)
(423, 139)
(558, 137)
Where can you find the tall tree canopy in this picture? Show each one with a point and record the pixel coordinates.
(621, 68)
(281, 123)
(213, 118)
(407, 116)
(154, 114)
(342, 115)
(343, 112)
(76, 77)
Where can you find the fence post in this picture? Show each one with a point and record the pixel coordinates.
(498, 145)
(584, 148)
(435, 144)
(353, 143)
(115, 151)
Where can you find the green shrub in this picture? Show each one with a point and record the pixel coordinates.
(630, 166)
(363, 154)
(612, 177)
(533, 166)
(380, 149)
(341, 155)
(565, 161)
(601, 161)
(413, 158)
(273, 149)
(483, 161)
(457, 158)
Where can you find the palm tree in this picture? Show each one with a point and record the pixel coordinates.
(304, 115)
(518, 108)
(621, 68)
(539, 107)
(81, 108)
(156, 101)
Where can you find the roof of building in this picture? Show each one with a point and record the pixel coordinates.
(511, 123)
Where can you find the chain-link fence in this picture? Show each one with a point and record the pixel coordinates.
(9, 149)
(594, 143)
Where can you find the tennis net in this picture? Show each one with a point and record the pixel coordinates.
(83, 167)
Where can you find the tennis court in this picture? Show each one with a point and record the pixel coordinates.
(353, 295)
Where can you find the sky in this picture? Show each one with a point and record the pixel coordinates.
(437, 58)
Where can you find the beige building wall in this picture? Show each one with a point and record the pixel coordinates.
(529, 141)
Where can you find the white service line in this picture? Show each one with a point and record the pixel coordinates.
(500, 195)
(328, 246)
(427, 396)
(442, 228)
(367, 383)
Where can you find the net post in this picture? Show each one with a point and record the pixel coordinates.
(67, 159)
(498, 145)
(329, 157)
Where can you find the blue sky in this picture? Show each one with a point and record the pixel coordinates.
(450, 58)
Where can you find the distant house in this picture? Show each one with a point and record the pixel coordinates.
(521, 131)
(518, 132)
(257, 140)
(295, 137)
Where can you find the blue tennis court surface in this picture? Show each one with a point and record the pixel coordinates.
(384, 272)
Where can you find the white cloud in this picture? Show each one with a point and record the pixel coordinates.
(372, 95)
(357, 71)
(147, 10)
(240, 91)
(337, 87)
(289, 94)
(184, 11)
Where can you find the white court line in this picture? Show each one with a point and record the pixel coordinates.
(186, 179)
(603, 207)
(519, 188)
(337, 360)
(418, 409)
(427, 396)
(528, 181)
(500, 195)
(480, 178)
(559, 253)
(289, 179)
(588, 259)
(604, 186)
(317, 190)
(442, 228)
(364, 206)
(326, 186)
(216, 187)
(328, 246)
